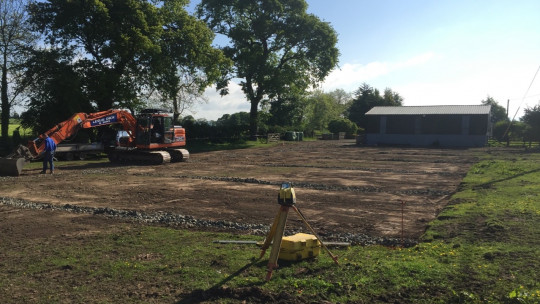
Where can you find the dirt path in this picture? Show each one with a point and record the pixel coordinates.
(340, 187)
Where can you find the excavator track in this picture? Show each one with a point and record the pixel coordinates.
(140, 157)
(149, 157)
(178, 155)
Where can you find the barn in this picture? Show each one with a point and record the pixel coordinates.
(445, 126)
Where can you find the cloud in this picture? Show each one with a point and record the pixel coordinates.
(501, 82)
(348, 78)
(219, 105)
(351, 75)
(445, 79)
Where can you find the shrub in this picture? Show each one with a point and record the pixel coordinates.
(342, 125)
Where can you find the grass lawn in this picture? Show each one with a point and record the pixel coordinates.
(14, 124)
(484, 247)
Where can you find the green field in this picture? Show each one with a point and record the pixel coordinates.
(484, 247)
(14, 124)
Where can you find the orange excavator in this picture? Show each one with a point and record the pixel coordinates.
(152, 138)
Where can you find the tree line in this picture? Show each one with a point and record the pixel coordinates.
(312, 112)
(341, 111)
(526, 130)
(62, 57)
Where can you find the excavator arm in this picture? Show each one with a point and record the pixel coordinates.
(12, 164)
(69, 127)
(58, 134)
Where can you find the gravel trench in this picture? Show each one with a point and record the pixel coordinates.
(183, 221)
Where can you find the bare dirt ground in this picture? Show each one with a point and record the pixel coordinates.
(340, 187)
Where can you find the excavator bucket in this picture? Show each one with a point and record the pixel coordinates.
(11, 166)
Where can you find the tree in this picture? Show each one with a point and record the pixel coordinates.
(391, 98)
(183, 95)
(55, 90)
(499, 130)
(368, 97)
(288, 110)
(198, 129)
(322, 108)
(342, 125)
(15, 37)
(341, 97)
(275, 45)
(113, 42)
(498, 113)
(531, 117)
(188, 63)
(124, 49)
(234, 126)
(504, 130)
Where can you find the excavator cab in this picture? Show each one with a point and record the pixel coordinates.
(154, 127)
(157, 130)
(144, 124)
(168, 130)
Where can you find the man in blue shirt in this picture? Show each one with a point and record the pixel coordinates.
(48, 156)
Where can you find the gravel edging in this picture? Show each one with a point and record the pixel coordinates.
(186, 221)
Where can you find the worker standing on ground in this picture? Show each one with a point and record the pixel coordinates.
(48, 156)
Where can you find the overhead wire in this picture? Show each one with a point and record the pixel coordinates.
(527, 92)
(522, 100)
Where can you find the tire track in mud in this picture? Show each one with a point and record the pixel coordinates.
(435, 161)
(323, 187)
(366, 169)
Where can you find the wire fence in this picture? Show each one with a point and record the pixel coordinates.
(513, 144)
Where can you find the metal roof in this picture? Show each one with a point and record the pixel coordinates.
(431, 110)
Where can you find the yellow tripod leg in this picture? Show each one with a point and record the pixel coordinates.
(270, 235)
(335, 258)
(278, 236)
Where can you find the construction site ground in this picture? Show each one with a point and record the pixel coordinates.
(385, 192)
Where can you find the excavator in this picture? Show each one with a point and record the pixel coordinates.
(152, 138)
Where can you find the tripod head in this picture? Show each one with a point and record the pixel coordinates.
(286, 196)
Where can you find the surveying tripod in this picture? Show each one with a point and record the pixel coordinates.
(287, 199)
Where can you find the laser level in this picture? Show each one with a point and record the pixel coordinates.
(287, 199)
(286, 196)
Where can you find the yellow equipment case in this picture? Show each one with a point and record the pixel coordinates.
(298, 247)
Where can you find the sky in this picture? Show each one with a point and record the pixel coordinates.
(445, 52)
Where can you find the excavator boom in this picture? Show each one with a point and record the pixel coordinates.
(171, 138)
(69, 127)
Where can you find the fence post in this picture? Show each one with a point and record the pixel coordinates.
(402, 217)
